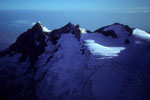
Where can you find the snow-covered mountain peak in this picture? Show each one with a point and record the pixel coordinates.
(77, 27)
(39, 27)
(118, 31)
(70, 25)
(69, 28)
(30, 44)
(115, 30)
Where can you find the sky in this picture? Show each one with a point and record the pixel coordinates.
(77, 5)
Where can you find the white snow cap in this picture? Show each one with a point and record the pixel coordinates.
(80, 28)
(141, 34)
(83, 30)
(44, 29)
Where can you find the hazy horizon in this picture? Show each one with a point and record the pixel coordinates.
(91, 20)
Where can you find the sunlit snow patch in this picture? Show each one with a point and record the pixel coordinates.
(44, 29)
(141, 34)
(82, 30)
(102, 51)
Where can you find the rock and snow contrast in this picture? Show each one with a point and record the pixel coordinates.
(72, 63)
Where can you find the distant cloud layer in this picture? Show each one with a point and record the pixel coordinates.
(139, 10)
(22, 22)
(129, 10)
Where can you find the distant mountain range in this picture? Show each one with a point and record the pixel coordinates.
(73, 63)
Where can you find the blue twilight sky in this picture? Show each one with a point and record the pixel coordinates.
(103, 5)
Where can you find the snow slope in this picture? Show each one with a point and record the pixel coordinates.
(99, 46)
(94, 67)
(44, 29)
(141, 34)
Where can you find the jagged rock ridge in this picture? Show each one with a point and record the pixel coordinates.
(68, 28)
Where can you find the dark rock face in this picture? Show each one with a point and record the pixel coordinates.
(127, 41)
(67, 29)
(88, 31)
(30, 43)
(4, 52)
(112, 33)
(126, 27)
(107, 33)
